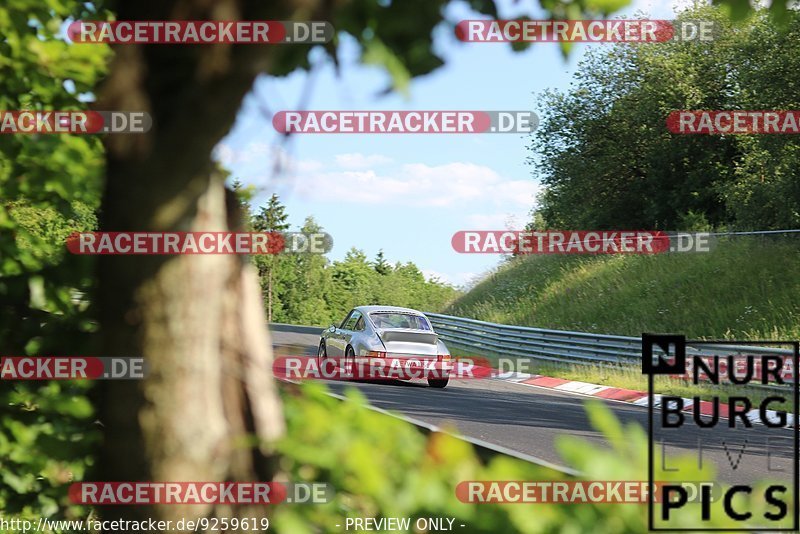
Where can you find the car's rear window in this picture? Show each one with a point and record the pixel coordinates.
(399, 320)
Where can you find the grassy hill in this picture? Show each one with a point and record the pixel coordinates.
(745, 288)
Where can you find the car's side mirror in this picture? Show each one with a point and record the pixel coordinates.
(332, 328)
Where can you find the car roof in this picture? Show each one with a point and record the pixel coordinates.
(371, 309)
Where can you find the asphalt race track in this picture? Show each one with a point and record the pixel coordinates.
(528, 419)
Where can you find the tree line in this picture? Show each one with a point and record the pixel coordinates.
(308, 288)
(607, 160)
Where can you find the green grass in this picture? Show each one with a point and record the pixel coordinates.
(744, 290)
(631, 378)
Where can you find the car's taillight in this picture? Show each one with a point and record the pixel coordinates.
(376, 354)
(444, 357)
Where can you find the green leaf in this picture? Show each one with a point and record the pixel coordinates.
(376, 53)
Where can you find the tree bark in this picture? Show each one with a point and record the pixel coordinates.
(198, 320)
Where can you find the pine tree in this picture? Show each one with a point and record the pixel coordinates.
(382, 266)
(272, 218)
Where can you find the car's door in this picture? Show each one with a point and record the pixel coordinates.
(335, 343)
(350, 329)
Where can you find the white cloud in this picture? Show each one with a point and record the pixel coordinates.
(304, 166)
(358, 161)
(264, 165)
(227, 155)
(417, 185)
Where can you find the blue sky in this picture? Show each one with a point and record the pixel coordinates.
(407, 194)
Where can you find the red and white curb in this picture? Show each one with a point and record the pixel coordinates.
(631, 396)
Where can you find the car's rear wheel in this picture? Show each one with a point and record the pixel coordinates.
(349, 360)
(439, 383)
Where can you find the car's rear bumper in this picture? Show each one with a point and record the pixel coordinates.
(403, 367)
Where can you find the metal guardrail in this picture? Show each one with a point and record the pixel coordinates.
(297, 329)
(562, 346)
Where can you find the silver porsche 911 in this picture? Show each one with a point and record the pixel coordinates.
(376, 334)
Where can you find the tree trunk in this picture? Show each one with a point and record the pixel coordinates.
(198, 320)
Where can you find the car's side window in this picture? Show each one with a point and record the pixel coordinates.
(360, 323)
(347, 318)
(351, 322)
(422, 323)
